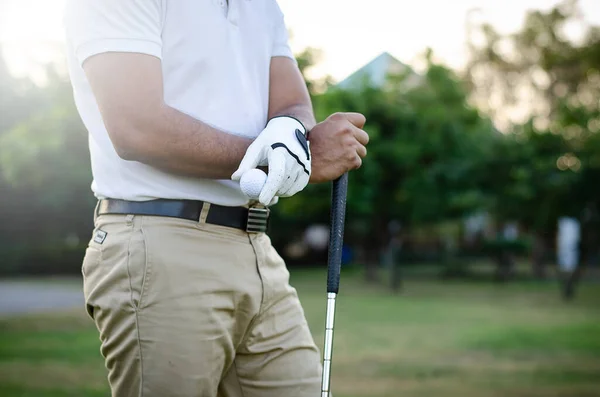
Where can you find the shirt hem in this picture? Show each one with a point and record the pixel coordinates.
(95, 47)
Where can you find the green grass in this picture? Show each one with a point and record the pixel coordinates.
(435, 339)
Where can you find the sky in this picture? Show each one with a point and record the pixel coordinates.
(348, 32)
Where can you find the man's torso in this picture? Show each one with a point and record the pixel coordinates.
(215, 59)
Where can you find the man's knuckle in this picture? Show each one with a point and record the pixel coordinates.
(336, 116)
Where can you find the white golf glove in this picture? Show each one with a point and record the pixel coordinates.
(282, 146)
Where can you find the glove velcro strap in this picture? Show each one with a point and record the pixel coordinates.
(293, 121)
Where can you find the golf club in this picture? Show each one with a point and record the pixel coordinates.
(334, 262)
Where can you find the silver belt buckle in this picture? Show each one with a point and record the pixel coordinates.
(258, 220)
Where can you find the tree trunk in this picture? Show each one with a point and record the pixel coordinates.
(538, 254)
(569, 282)
(372, 264)
(391, 263)
(395, 270)
(374, 243)
(504, 266)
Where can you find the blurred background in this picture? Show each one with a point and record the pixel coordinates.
(471, 265)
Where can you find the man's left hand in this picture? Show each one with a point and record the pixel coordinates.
(282, 146)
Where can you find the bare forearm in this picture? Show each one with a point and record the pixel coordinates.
(302, 112)
(182, 145)
(190, 147)
(288, 95)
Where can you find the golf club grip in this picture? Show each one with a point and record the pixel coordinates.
(339, 193)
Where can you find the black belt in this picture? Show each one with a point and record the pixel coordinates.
(252, 220)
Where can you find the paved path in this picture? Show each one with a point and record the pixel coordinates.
(22, 297)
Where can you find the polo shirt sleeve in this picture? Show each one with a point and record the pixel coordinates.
(281, 45)
(98, 26)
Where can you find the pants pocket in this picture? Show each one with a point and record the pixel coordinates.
(115, 267)
(91, 261)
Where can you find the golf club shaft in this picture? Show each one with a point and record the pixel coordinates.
(336, 239)
(328, 346)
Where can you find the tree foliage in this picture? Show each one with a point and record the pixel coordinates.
(426, 145)
(541, 67)
(548, 164)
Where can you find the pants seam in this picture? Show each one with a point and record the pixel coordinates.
(247, 335)
(139, 342)
(135, 310)
(262, 281)
(237, 375)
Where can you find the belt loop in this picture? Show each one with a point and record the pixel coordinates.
(96, 209)
(204, 212)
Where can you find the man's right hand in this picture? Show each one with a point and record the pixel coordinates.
(337, 146)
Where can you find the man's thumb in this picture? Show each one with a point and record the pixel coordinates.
(250, 161)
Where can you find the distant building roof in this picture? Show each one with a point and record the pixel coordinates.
(375, 73)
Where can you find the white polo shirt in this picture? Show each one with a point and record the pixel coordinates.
(215, 60)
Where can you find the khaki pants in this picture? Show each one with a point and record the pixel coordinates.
(196, 310)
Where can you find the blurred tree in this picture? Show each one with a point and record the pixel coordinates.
(548, 79)
(46, 209)
(423, 166)
(307, 59)
(525, 185)
(539, 68)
